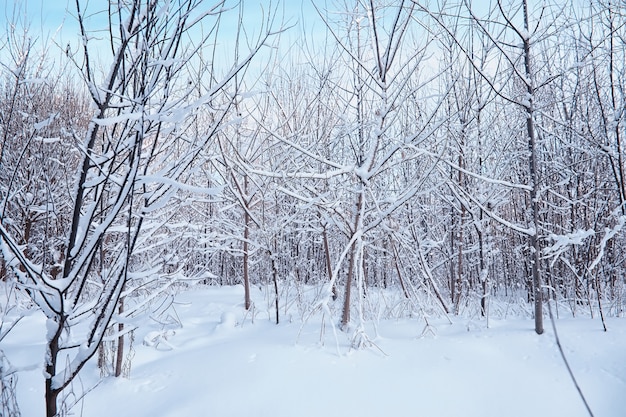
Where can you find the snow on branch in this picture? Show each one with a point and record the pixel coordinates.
(561, 242)
(608, 235)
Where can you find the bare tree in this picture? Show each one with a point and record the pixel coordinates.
(142, 107)
(345, 160)
(512, 27)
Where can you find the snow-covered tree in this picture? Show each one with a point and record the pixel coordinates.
(133, 156)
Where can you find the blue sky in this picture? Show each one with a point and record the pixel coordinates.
(55, 18)
(43, 17)
(54, 26)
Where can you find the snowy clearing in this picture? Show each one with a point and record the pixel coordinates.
(220, 363)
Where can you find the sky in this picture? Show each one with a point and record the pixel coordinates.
(54, 27)
(40, 16)
(55, 20)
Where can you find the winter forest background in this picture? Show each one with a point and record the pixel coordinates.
(403, 159)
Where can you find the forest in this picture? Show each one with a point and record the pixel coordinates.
(416, 159)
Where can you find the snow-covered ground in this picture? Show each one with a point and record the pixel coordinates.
(220, 363)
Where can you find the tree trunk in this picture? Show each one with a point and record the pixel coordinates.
(275, 280)
(329, 265)
(246, 278)
(459, 261)
(396, 262)
(483, 273)
(535, 256)
(345, 318)
(246, 238)
(52, 393)
(621, 177)
(119, 357)
(51, 399)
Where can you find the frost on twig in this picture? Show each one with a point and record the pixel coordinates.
(8, 383)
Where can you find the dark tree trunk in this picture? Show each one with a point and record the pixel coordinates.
(534, 204)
